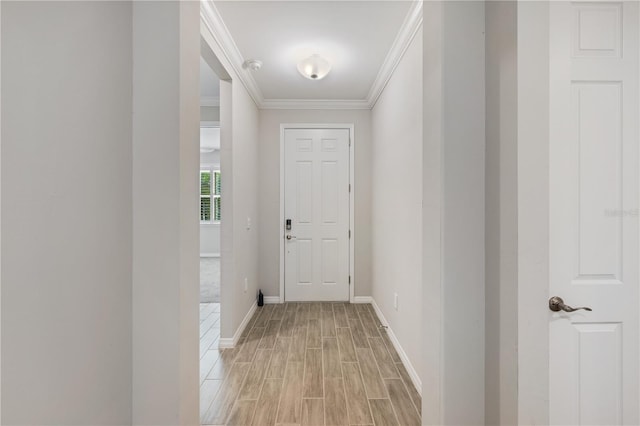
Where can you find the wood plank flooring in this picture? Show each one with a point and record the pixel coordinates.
(326, 364)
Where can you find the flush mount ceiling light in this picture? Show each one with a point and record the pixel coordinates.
(252, 64)
(314, 67)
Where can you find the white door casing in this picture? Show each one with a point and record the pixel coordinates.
(316, 251)
(593, 216)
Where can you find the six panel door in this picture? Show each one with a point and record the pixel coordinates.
(316, 201)
(594, 212)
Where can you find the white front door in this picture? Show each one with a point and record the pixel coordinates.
(316, 214)
(593, 220)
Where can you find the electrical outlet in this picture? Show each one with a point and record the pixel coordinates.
(246, 284)
(395, 301)
(248, 223)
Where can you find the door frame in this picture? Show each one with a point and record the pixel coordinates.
(350, 127)
(533, 212)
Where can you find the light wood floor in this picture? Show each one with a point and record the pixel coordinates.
(305, 364)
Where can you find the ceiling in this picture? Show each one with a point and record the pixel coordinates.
(363, 41)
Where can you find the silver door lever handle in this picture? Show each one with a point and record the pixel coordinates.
(556, 304)
(290, 237)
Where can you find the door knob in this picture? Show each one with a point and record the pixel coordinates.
(556, 304)
(290, 237)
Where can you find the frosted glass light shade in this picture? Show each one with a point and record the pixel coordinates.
(314, 67)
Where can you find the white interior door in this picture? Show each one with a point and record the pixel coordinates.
(593, 221)
(316, 202)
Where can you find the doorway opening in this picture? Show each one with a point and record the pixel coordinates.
(216, 256)
(210, 188)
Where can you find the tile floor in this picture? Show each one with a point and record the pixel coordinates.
(304, 364)
(209, 334)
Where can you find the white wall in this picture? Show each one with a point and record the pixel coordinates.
(239, 167)
(501, 387)
(66, 213)
(453, 213)
(269, 191)
(208, 113)
(210, 158)
(245, 202)
(463, 227)
(396, 172)
(166, 53)
(210, 232)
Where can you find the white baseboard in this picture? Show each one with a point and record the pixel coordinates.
(226, 342)
(396, 344)
(362, 299)
(209, 254)
(270, 300)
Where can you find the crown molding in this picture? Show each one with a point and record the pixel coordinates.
(315, 104)
(210, 101)
(408, 30)
(220, 33)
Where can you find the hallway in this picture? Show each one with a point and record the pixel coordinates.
(305, 364)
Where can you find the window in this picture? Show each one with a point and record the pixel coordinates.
(210, 187)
